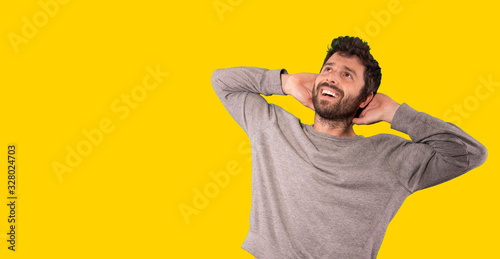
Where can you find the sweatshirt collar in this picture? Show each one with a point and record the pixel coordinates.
(311, 130)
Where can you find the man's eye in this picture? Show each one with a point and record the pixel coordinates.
(328, 69)
(348, 75)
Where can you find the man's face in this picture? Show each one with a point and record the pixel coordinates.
(337, 89)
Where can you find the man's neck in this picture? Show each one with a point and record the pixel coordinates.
(334, 128)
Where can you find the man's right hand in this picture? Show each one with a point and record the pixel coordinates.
(299, 86)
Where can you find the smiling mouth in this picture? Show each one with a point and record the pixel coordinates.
(327, 92)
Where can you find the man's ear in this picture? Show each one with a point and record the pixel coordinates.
(366, 100)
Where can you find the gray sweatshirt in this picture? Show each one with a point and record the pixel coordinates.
(320, 196)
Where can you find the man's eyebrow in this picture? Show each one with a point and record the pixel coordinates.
(345, 67)
(350, 70)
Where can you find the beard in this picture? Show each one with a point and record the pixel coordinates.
(340, 110)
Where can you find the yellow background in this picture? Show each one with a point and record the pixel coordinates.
(123, 199)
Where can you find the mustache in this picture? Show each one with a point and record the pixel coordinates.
(334, 87)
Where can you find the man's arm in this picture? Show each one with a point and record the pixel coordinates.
(240, 89)
(381, 108)
(438, 152)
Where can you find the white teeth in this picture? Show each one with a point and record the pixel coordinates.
(329, 93)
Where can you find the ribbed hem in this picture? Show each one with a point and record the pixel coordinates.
(272, 80)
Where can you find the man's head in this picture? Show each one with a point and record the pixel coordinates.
(350, 74)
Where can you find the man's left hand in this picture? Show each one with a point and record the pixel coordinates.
(381, 108)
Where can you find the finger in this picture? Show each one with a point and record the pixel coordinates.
(359, 121)
(363, 112)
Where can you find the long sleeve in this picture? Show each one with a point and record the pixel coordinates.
(438, 152)
(240, 89)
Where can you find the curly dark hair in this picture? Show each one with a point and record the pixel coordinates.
(354, 46)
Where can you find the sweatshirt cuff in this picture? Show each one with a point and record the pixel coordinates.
(272, 81)
(405, 118)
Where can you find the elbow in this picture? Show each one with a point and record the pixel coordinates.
(216, 79)
(476, 154)
(473, 155)
(480, 155)
(216, 74)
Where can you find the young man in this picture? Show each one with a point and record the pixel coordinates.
(321, 191)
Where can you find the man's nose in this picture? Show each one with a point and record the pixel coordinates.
(332, 78)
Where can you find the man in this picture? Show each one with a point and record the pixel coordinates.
(321, 191)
